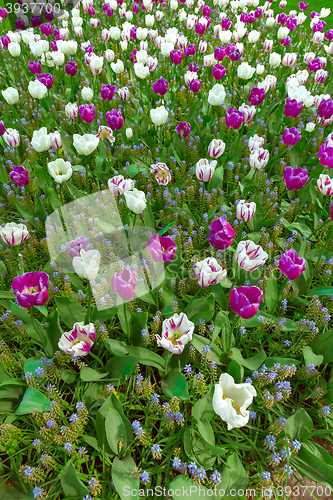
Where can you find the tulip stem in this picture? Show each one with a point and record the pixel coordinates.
(86, 163)
(89, 301)
(202, 202)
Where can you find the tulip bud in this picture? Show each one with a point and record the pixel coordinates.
(245, 211)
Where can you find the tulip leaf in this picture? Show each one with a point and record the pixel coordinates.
(53, 330)
(100, 426)
(203, 408)
(236, 371)
(271, 293)
(7, 295)
(315, 463)
(71, 484)
(323, 345)
(146, 357)
(33, 400)
(31, 364)
(199, 342)
(202, 308)
(124, 316)
(227, 337)
(126, 485)
(299, 425)
(139, 323)
(207, 435)
(234, 476)
(115, 431)
(90, 375)
(252, 363)
(116, 347)
(175, 385)
(54, 199)
(324, 290)
(311, 357)
(269, 362)
(185, 484)
(166, 228)
(121, 367)
(70, 311)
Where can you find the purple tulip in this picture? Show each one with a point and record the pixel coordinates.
(234, 118)
(19, 176)
(200, 28)
(285, 41)
(35, 67)
(124, 283)
(46, 79)
(20, 24)
(258, 12)
(108, 91)
(325, 109)
(219, 53)
(329, 35)
(161, 248)
(290, 136)
(282, 18)
(295, 178)
(206, 10)
(193, 67)
(109, 13)
(256, 96)
(31, 289)
(291, 24)
(114, 119)
(35, 21)
(3, 128)
(133, 56)
(325, 155)
(71, 68)
(319, 26)
(90, 49)
(190, 50)
(221, 234)
(219, 71)
(331, 212)
(54, 46)
(87, 112)
(226, 23)
(235, 54)
(292, 108)
(245, 301)
(46, 29)
(314, 14)
(303, 6)
(161, 86)
(48, 16)
(195, 86)
(291, 265)
(183, 129)
(315, 65)
(176, 56)
(74, 247)
(91, 11)
(5, 40)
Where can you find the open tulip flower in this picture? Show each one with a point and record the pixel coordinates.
(161, 248)
(209, 272)
(14, 234)
(231, 401)
(245, 301)
(124, 283)
(250, 256)
(221, 235)
(87, 264)
(176, 333)
(31, 289)
(291, 265)
(78, 341)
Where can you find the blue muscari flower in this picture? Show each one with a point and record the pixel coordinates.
(39, 371)
(73, 418)
(79, 405)
(326, 410)
(155, 398)
(68, 447)
(253, 414)
(37, 492)
(266, 475)
(156, 449)
(144, 477)
(296, 445)
(188, 369)
(176, 463)
(216, 477)
(36, 443)
(206, 349)
(28, 472)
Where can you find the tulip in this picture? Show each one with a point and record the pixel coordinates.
(78, 341)
(105, 133)
(325, 155)
(190, 50)
(71, 68)
(295, 178)
(87, 264)
(85, 144)
(219, 72)
(109, 55)
(60, 170)
(183, 129)
(108, 91)
(331, 211)
(176, 333)
(289, 59)
(310, 127)
(124, 94)
(195, 86)
(71, 111)
(291, 265)
(209, 272)
(303, 5)
(325, 184)
(204, 169)
(268, 45)
(221, 235)
(245, 301)
(245, 211)
(87, 94)
(14, 234)
(56, 141)
(292, 108)
(290, 136)
(46, 79)
(46, 29)
(256, 96)
(161, 248)
(114, 119)
(129, 133)
(135, 200)
(320, 76)
(11, 95)
(159, 115)
(14, 49)
(250, 256)
(234, 118)
(124, 283)
(87, 113)
(31, 289)
(216, 148)
(161, 172)
(230, 401)
(255, 143)
(37, 89)
(35, 67)
(41, 141)
(19, 176)
(216, 95)
(74, 247)
(274, 59)
(248, 112)
(245, 71)
(219, 53)
(176, 56)
(325, 109)
(118, 185)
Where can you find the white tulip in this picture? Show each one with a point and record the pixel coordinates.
(159, 115)
(14, 49)
(37, 89)
(135, 200)
(60, 170)
(87, 93)
(245, 71)
(274, 59)
(216, 95)
(85, 144)
(41, 141)
(11, 95)
(14, 234)
(87, 265)
(117, 67)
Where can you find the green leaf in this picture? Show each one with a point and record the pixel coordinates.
(203, 408)
(311, 357)
(7, 295)
(216, 181)
(207, 435)
(222, 320)
(124, 315)
(139, 323)
(67, 376)
(269, 362)
(299, 425)
(166, 228)
(70, 311)
(54, 199)
(252, 363)
(33, 400)
(187, 485)
(121, 367)
(199, 342)
(315, 463)
(4, 375)
(236, 371)
(175, 385)
(31, 364)
(146, 357)
(91, 375)
(53, 330)
(234, 476)
(324, 290)
(202, 308)
(323, 345)
(271, 293)
(116, 347)
(71, 484)
(123, 480)
(219, 296)
(117, 406)
(115, 431)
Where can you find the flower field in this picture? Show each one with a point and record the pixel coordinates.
(166, 256)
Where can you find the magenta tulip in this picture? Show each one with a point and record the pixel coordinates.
(221, 234)
(245, 301)
(19, 176)
(234, 118)
(31, 289)
(292, 108)
(219, 71)
(256, 96)
(108, 91)
(114, 119)
(290, 136)
(124, 283)
(295, 178)
(46, 79)
(291, 265)
(87, 112)
(162, 249)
